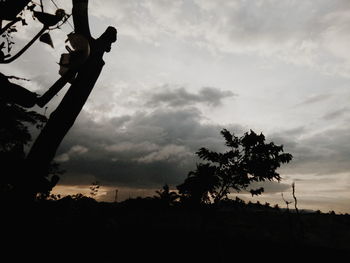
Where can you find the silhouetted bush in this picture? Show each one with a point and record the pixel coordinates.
(166, 197)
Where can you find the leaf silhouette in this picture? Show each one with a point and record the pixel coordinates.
(46, 38)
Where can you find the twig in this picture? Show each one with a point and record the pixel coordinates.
(2, 30)
(25, 47)
(301, 226)
(295, 199)
(287, 202)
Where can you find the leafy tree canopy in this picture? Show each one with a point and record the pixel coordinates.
(249, 159)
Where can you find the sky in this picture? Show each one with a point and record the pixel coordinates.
(182, 70)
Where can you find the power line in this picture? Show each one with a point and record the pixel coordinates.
(54, 4)
(70, 24)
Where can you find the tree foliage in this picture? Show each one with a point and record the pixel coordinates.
(249, 159)
(14, 136)
(16, 127)
(14, 131)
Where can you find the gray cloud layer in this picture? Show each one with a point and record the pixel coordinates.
(180, 97)
(131, 134)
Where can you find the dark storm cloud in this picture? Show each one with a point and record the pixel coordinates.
(180, 97)
(142, 150)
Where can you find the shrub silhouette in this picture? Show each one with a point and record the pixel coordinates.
(199, 185)
(249, 159)
(165, 196)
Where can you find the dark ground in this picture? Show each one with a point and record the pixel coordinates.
(146, 231)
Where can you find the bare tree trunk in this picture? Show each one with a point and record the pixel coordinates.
(61, 120)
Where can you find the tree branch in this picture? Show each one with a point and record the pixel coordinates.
(80, 17)
(55, 88)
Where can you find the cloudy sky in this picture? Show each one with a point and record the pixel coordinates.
(182, 70)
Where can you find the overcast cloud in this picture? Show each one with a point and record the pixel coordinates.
(182, 70)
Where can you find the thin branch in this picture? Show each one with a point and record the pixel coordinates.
(295, 199)
(8, 25)
(41, 5)
(65, 20)
(301, 225)
(12, 58)
(287, 202)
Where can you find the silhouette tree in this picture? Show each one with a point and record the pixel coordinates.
(199, 185)
(61, 120)
(83, 74)
(249, 159)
